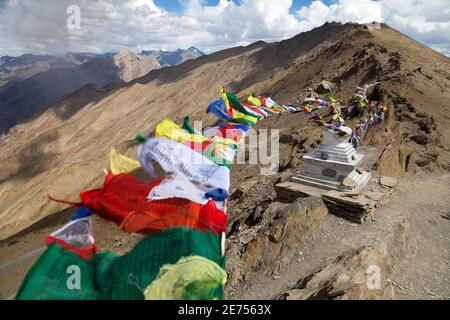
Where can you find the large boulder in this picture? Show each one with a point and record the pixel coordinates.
(396, 160)
(324, 87)
(354, 275)
(271, 243)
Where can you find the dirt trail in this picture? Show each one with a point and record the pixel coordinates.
(425, 273)
(420, 271)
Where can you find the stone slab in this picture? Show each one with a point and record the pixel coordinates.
(291, 190)
(388, 182)
(353, 206)
(358, 201)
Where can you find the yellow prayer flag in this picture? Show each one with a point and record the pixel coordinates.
(170, 130)
(253, 100)
(121, 164)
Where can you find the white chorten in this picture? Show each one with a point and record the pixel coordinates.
(333, 165)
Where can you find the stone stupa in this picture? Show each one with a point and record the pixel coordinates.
(333, 165)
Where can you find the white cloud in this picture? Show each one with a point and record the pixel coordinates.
(427, 21)
(250, 21)
(108, 25)
(361, 11)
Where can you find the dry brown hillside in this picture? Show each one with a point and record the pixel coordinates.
(63, 150)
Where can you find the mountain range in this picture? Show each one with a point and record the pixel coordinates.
(173, 58)
(29, 83)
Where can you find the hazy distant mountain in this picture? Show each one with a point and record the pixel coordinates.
(29, 83)
(173, 58)
(13, 69)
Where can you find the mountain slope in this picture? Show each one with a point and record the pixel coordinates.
(15, 69)
(61, 157)
(32, 82)
(21, 100)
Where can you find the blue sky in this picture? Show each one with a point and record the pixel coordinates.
(176, 6)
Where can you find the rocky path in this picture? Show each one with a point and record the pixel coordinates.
(409, 233)
(425, 273)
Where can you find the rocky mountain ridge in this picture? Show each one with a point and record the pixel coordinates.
(173, 58)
